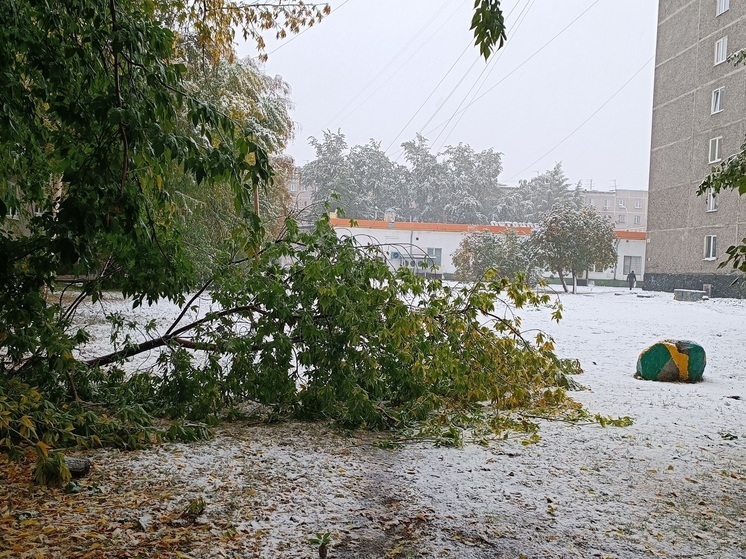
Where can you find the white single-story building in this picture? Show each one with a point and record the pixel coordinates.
(412, 243)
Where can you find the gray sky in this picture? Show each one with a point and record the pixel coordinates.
(387, 69)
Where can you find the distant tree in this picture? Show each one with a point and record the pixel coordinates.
(427, 179)
(457, 186)
(381, 183)
(508, 255)
(573, 241)
(362, 181)
(472, 183)
(535, 197)
(329, 175)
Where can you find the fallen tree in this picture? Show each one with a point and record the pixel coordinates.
(98, 128)
(311, 327)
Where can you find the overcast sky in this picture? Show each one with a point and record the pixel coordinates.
(573, 84)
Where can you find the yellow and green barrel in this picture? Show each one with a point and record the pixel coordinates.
(672, 361)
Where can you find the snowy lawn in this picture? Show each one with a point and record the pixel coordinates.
(671, 485)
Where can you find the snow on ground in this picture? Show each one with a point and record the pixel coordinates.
(671, 485)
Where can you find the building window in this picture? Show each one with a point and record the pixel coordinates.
(638, 204)
(434, 256)
(606, 206)
(717, 100)
(304, 187)
(590, 203)
(712, 201)
(715, 144)
(632, 264)
(721, 50)
(621, 218)
(638, 220)
(722, 7)
(711, 243)
(622, 204)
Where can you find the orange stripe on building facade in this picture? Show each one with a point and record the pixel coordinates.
(455, 227)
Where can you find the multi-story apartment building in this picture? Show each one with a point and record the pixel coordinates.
(300, 192)
(626, 208)
(699, 120)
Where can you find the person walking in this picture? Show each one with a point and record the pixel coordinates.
(631, 279)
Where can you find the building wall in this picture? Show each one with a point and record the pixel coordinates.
(300, 192)
(626, 208)
(630, 257)
(407, 243)
(409, 247)
(683, 123)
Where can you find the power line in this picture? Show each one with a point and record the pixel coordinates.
(545, 45)
(586, 120)
(491, 67)
(294, 37)
(448, 97)
(388, 64)
(422, 105)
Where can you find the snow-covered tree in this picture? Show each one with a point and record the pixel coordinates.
(362, 180)
(573, 241)
(379, 183)
(428, 180)
(473, 183)
(457, 186)
(507, 255)
(535, 197)
(329, 175)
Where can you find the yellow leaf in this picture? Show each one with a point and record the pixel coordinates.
(43, 448)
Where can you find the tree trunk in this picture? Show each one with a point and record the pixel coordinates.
(562, 280)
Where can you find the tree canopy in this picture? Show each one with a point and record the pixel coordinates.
(505, 255)
(459, 185)
(103, 123)
(574, 241)
(362, 180)
(535, 197)
(259, 105)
